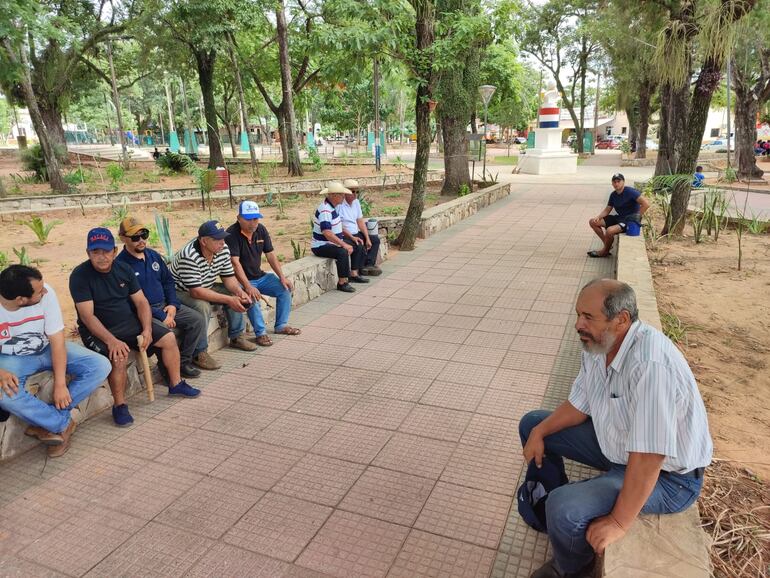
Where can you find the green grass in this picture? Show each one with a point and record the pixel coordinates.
(392, 195)
(514, 160)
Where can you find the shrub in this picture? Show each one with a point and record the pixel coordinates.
(318, 163)
(32, 160)
(116, 173)
(41, 229)
(463, 190)
(77, 177)
(175, 162)
(366, 205)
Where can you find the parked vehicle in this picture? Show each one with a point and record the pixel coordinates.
(609, 142)
(718, 144)
(651, 145)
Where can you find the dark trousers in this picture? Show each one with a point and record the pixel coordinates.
(338, 254)
(358, 257)
(371, 254)
(190, 331)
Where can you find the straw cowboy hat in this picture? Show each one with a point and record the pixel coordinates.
(336, 187)
(351, 184)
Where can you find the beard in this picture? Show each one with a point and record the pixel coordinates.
(598, 346)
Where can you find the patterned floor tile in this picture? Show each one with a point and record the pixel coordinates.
(436, 422)
(421, 367)
(319, 479)
(352, 442)
(328, 403)
(430, 556)
(453, 396)
(295, 430)
(415, 455)
(401, 387)
(225, 560)
(484, 469)
(201, 451)
(279, 394)
(257, 464)
(467, 373)
(242, 420)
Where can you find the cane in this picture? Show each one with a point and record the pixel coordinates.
(146, 369)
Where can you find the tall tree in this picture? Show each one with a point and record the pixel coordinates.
(289, 125)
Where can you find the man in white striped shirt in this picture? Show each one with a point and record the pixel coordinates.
(196, 267)
(635, 413)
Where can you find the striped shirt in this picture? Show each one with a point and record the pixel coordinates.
(190, 268)
(646, 401)
(326, 218)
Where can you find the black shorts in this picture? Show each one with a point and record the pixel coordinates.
(95, 344)
(612, 220)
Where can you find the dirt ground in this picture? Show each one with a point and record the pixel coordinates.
(66, 242)
(145, 175)
(726, 314)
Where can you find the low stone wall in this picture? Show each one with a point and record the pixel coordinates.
(15, 205)
(672, 545)
(445, 215)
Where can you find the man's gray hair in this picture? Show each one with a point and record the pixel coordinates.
(619, 297)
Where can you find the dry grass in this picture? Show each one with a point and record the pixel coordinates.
(735, 511)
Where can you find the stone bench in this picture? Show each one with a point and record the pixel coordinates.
(671, 545)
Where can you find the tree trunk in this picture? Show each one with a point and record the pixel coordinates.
(242, 102)
(746, 106)
(645, 97)
(456, 173)
(205, 62)
(293, 160)
(424, 40)
(474, 128)
(707, 83)
(282, 137)
(674, 105)
(51, 115)
(49, 154)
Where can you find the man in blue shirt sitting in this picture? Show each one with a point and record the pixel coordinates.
(629, 205)
(157, 284)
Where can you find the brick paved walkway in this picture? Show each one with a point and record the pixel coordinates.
(382, 441)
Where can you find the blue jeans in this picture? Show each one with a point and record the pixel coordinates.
(269, 284)
(88, 371)
(571, 508)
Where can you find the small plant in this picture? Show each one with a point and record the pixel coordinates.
(3, 260)
(490, 179)
(269, 199)
(41, 229)
(3, 192)
(366, 205)
(398, 162)
(206, 181)
(463, 190)
(280, 233)
(392, 211)
(281, 208)
(174, 163)
(315, 159)
(117, 175)
(392, 195)
(730, 175)
(32, 160)
(154, 239)
(755, 225)
(431, 198)
(698, 220)
(625, 147)
(77, 177)
(281, 258)
(298, 249)
(674, 328)
(119, 212)
(23, 256)
(392, 236)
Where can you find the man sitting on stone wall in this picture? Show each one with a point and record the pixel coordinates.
(31, 341)
(248, 240)
(356, 233)
(157, 284)
(635, 413)
(112, 312)
(196, 267)
(629, 205)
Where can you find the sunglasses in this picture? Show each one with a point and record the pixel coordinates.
(136, 238)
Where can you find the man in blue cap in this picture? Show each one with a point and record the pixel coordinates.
(248, 240)
(196, 267)
(112, 312)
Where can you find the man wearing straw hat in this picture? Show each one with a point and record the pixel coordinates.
(356, 232)
(327, 235)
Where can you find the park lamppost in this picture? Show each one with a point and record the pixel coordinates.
(486, 91)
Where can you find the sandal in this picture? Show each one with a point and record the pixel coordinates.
(596, 255)
(286, 330)
(264, 340)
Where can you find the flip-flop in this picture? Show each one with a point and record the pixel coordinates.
(595, 255)
(264, 340)
(288, 331)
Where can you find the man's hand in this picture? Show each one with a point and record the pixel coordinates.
(61, 396)
(534, 449)
(596, 222)
(368, 243)
(287, 283)
(9, 383)
(118, 350)
(348, 248)
(234, 302)
(604, 531)
(170, 320)
(146, 339)
(357, 240)
(253, 293)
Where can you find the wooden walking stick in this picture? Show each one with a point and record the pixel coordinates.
(146, 369)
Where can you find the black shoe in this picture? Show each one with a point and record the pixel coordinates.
(358, 279)
(549, 570)
(189, 370)
(346, 288)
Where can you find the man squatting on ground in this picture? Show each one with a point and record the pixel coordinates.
(112, 311)
(31, 341)
(247, 240)
(195, 268)
(355, 232)
(328, 237)
(157, 284)
(629, 204)
(635, 413)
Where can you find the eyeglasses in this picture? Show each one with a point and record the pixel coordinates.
(135, 238)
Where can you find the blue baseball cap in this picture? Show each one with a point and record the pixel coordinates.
(100, 238)
(249, 210)
(212, 229)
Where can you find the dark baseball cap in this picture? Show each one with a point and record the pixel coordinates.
(618, 177)
(100, 238)
(212, 229)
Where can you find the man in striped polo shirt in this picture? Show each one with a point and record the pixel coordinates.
(635, 413)
(196, 267)
(327, 235)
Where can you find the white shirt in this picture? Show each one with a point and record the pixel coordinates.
(646, 401)
(26, 330)
(349, 214)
